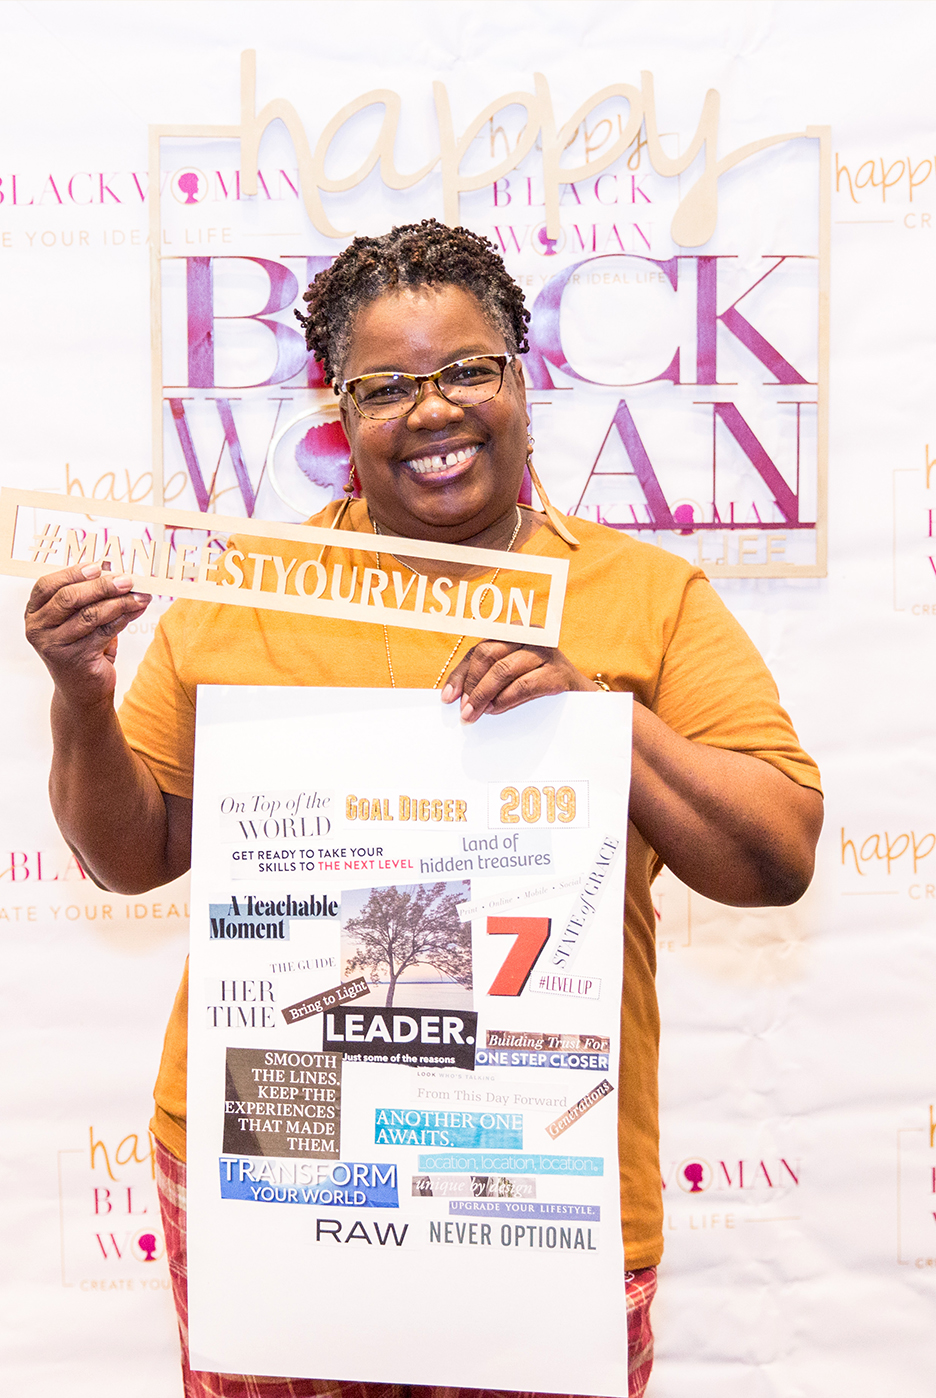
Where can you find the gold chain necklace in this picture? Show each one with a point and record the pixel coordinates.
(454, 652)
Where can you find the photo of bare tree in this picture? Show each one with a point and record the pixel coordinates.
(409, 943)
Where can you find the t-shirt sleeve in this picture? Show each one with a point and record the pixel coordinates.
(158, 713)
(714, 688)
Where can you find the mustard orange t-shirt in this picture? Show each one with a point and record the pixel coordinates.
(644, 619)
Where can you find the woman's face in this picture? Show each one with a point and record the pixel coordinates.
(402, 464)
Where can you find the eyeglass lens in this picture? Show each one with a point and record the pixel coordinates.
(470, 381)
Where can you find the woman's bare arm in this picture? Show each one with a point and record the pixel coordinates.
(128, 835)
(729, 825)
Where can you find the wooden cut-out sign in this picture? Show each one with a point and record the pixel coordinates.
(288, 567)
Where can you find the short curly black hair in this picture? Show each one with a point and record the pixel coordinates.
(414, 254)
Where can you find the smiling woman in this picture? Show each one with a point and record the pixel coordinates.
(422, 331)
(443, 470)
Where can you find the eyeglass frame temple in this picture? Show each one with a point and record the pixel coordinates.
(418, 380)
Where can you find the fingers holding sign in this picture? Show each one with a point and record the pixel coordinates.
(73, 619)
(497, 675)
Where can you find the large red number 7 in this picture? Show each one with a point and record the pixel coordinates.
(531, 934)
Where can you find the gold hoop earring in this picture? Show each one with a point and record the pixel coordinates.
(549, 509)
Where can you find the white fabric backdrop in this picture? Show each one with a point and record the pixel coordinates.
(797, 1063)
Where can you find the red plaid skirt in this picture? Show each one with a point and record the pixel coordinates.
(170, 1178)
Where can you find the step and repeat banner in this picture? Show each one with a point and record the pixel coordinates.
(722, 217)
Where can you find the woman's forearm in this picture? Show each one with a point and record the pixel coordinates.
(729, 825)
(127, 836)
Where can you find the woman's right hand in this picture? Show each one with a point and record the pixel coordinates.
(73, 619)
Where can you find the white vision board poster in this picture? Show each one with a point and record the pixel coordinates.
(404, 1020)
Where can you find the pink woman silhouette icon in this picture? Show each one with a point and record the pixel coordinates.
(694, 1173)
(147, 1243)
(188, 183)
(549, 244)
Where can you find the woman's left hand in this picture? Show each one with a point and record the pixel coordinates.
(497, 675)
(731, 826)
